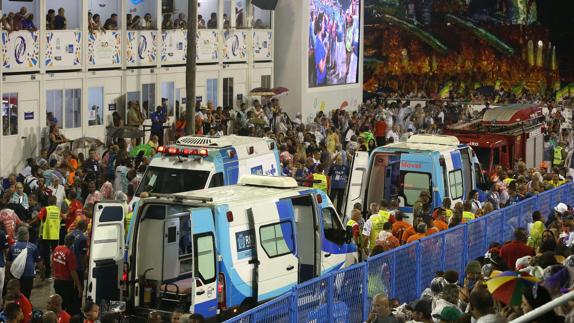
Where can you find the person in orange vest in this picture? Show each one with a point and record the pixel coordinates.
(431, 228)
(400, 226)
(421, 233)
(440, 221)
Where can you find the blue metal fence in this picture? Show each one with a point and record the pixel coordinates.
(404, 272)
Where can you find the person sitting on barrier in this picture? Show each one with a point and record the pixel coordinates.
(421, 233)
(381, 310)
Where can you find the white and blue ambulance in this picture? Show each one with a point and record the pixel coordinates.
(217, 250)
(200, 162)
(438, 164)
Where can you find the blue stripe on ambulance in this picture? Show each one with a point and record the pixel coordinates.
(456, 159)
(286, 213)
(202, 222)
(230, 166)
(236, 289)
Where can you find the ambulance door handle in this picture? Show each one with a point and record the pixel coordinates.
(327, 255)
(200, 292)
(290, 267)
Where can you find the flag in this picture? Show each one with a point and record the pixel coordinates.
(445, 91)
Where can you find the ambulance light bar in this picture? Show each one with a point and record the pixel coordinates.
(185, 152)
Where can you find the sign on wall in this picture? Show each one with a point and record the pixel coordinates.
(207, 46)
(21, 50)
(63, 49)
(234, 46)
(141, 47)
(262, 45)
(174, 46)
(104, 48)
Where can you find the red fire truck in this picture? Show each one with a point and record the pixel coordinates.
(504, 135)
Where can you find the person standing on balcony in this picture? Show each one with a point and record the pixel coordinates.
(50, 19)
(60, 21)
(111, 23)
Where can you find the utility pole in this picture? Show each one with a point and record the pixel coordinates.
(190, 66)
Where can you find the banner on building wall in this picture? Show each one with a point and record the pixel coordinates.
(262, 45)
(141, 47)
(207, 46)
(63, 49)
(21, 50)
(104, 48)
(174, 46)
(234, 46)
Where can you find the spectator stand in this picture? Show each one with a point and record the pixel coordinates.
(404, 272)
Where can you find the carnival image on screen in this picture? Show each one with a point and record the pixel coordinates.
(333, 42)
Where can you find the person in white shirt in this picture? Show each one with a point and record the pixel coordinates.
(58, 191)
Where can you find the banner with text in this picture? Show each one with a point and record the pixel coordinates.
(21, 50)
(63, 49)
(174, 46)
(104, 49)
(262, 45)
(141, 49)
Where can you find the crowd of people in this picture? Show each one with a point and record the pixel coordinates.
(46, 208)
(21, 20)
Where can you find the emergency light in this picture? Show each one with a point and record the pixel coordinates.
(185, 152)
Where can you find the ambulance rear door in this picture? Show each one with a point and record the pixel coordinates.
(355, 192)
(105, 265)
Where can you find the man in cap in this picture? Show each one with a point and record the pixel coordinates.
(449, 314)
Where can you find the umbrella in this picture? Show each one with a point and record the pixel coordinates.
(147, 149)
(262, 91)
(508, 286)
(280, 91)
(85, 142)
(126, 132)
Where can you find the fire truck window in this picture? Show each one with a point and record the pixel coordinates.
(496, 156)
(413, 185)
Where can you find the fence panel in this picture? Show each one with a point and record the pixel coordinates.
(431, 258)
(544, 203)
(381, 278)
(348, 294)
(405, 273)
(455, 247)
(511, 221)
(312, 299)
(476, 238)
(569, 194)
(277, 310)
(494, 227)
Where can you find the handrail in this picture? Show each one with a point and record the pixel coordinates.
(528, 317)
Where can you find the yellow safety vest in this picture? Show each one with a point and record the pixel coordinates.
(320, 182)
(127, 221)
(351, 223)
(377, 223)
(386, 215)
(557, 156)
(466, 215)
(51, 225)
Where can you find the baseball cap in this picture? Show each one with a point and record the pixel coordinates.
(561, 208)
(449, 313)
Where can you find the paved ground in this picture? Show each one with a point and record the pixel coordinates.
(42, 290)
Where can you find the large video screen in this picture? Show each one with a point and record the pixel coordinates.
(333, 42)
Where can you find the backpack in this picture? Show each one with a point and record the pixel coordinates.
(19, 264)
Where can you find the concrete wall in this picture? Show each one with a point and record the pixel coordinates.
(291, 64)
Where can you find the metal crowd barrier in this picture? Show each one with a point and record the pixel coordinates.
(404, 272)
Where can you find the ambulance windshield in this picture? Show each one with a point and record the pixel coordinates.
(169, 180)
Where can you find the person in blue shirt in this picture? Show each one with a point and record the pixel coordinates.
(3, 246)
(27, 279)
(80, 248)
(320, 52)
(338, 173)
(158, 118)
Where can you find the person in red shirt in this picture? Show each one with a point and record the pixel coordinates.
(516, 249)
(354, 227)
(74, 209)
(13, 295)
(10, 220)
(55, 305)
(66, 281)
(380, 130)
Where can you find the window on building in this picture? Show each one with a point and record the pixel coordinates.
(455, 184)
(240, 13)
(54, 104)
(266, 81)
(261, 18)
(73, 108)
(148, 98)
(167, 97)
(185, 248)
(207, 14)
(228, 92)
(277, 239)
(95, 106)
(414, 184)
(10, 114)
(204, 246)
(212, 91)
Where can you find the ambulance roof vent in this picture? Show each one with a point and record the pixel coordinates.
(202, 141)
(434, 139)
(268, 181)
